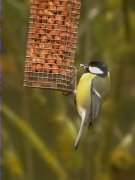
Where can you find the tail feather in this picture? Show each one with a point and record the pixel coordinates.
(78, 139)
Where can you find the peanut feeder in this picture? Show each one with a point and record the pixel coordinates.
(51, 44)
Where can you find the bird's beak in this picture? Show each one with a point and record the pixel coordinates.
(84, 66)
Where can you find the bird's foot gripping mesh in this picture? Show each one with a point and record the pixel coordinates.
(51, 44)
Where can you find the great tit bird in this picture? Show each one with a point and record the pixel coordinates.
(92, 89)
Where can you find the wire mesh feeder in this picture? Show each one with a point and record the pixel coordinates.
(51, 44)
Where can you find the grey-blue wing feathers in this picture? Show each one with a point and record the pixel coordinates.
(95, 102)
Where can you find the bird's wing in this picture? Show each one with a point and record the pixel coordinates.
(95, 100)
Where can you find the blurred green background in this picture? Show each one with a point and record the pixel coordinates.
(40, 126)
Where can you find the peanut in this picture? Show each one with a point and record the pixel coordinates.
(47, 68)
(55, 69)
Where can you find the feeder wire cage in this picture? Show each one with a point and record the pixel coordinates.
(52, 38)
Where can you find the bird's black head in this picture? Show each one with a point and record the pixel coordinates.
(96, 67)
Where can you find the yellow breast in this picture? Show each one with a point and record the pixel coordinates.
(83, 93)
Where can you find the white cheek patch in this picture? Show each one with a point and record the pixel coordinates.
(95, 70)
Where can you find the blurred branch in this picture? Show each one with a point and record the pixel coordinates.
(126, 19)
(36, 142)
(11, 159)
(123, 156)
(28, 148)
(129, 139)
